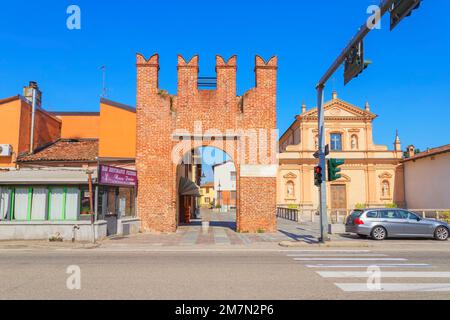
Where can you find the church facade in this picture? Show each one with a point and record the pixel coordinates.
(372, 175)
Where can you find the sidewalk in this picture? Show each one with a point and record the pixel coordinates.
(222, 233)
(222, 236)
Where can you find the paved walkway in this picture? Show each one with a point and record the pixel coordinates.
(221, 233)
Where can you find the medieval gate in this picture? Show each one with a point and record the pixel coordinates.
(242, 126)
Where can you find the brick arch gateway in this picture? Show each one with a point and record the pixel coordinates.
(242, 126)
(191, 161)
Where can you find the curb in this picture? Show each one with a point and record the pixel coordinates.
(332, 244)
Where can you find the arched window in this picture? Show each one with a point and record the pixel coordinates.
(354, 142)
(290, 189)
(385, 189)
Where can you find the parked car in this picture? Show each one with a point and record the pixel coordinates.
(380, 224)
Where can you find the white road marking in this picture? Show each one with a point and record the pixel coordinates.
(383, 274)
(396, 287)
(350, 259)
(382, 265)
(328, 251)
(337, 255)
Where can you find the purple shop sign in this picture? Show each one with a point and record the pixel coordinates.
(117, 176)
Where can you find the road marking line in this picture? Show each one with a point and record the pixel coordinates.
(328, 251)
(383, 274)
(400, 265)
(350, 259)
(396, 287)
(337, 255)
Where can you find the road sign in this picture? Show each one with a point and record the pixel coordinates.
(401, 9)
(354, 62)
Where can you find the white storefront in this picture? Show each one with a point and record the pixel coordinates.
(46, 202)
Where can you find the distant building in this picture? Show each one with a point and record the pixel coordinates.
(427, 178)
(225, 185)
(372, 175)
(207, 198)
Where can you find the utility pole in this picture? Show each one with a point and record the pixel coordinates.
(353, 57)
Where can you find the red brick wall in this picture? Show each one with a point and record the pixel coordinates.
(159, 115)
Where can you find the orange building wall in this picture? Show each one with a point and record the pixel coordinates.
(47, 129)
(117, 132)
(80, 126)
(9, 129)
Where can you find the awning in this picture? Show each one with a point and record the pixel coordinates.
(188, 188)
(46, 176)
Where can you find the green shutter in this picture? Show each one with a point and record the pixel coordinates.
(30, 202)
(64, 204)
(49, 202)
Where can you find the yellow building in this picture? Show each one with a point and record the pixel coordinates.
(372, 175)
(207, 195)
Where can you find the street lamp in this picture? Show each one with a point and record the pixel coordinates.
(219, 196)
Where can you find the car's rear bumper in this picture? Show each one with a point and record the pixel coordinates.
(359, 229)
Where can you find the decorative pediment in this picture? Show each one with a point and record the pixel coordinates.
(340, 110)
(385, 175)
(290, 175)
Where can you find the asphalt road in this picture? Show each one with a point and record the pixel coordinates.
(227, 274)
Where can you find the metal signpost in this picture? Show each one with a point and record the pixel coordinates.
(353, 57)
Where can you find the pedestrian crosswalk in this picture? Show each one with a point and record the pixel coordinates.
(367, 271)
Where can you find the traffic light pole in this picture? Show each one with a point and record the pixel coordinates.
(322, 163)
(362, 33)
(364, 30)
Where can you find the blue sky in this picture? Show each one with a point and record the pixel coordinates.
(408, 84)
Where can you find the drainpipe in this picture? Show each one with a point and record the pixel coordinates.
(91, 204)
(33, 112)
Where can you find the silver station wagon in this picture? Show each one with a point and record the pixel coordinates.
(380, 224)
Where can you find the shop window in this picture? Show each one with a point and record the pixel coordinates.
(21, 204)
(56, 204)
(124, 201)
(39, 204)
(111, 203)
(4, 202)
(72, 204)
(86, 201)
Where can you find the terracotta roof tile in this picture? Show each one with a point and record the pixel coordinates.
(429, 153)
(65, 150)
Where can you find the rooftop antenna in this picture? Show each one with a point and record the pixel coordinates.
(104, 89)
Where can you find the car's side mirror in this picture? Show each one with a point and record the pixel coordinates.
(418, 219)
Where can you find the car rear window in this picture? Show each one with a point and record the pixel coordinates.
(357, 213)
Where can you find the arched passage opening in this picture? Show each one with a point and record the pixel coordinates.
(207, 188)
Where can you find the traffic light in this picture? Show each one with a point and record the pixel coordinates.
(355, 63)
(318, 177)
(333, 169)
(401, 9)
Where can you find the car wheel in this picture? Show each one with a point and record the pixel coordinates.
(379, 233)
(441, 233)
